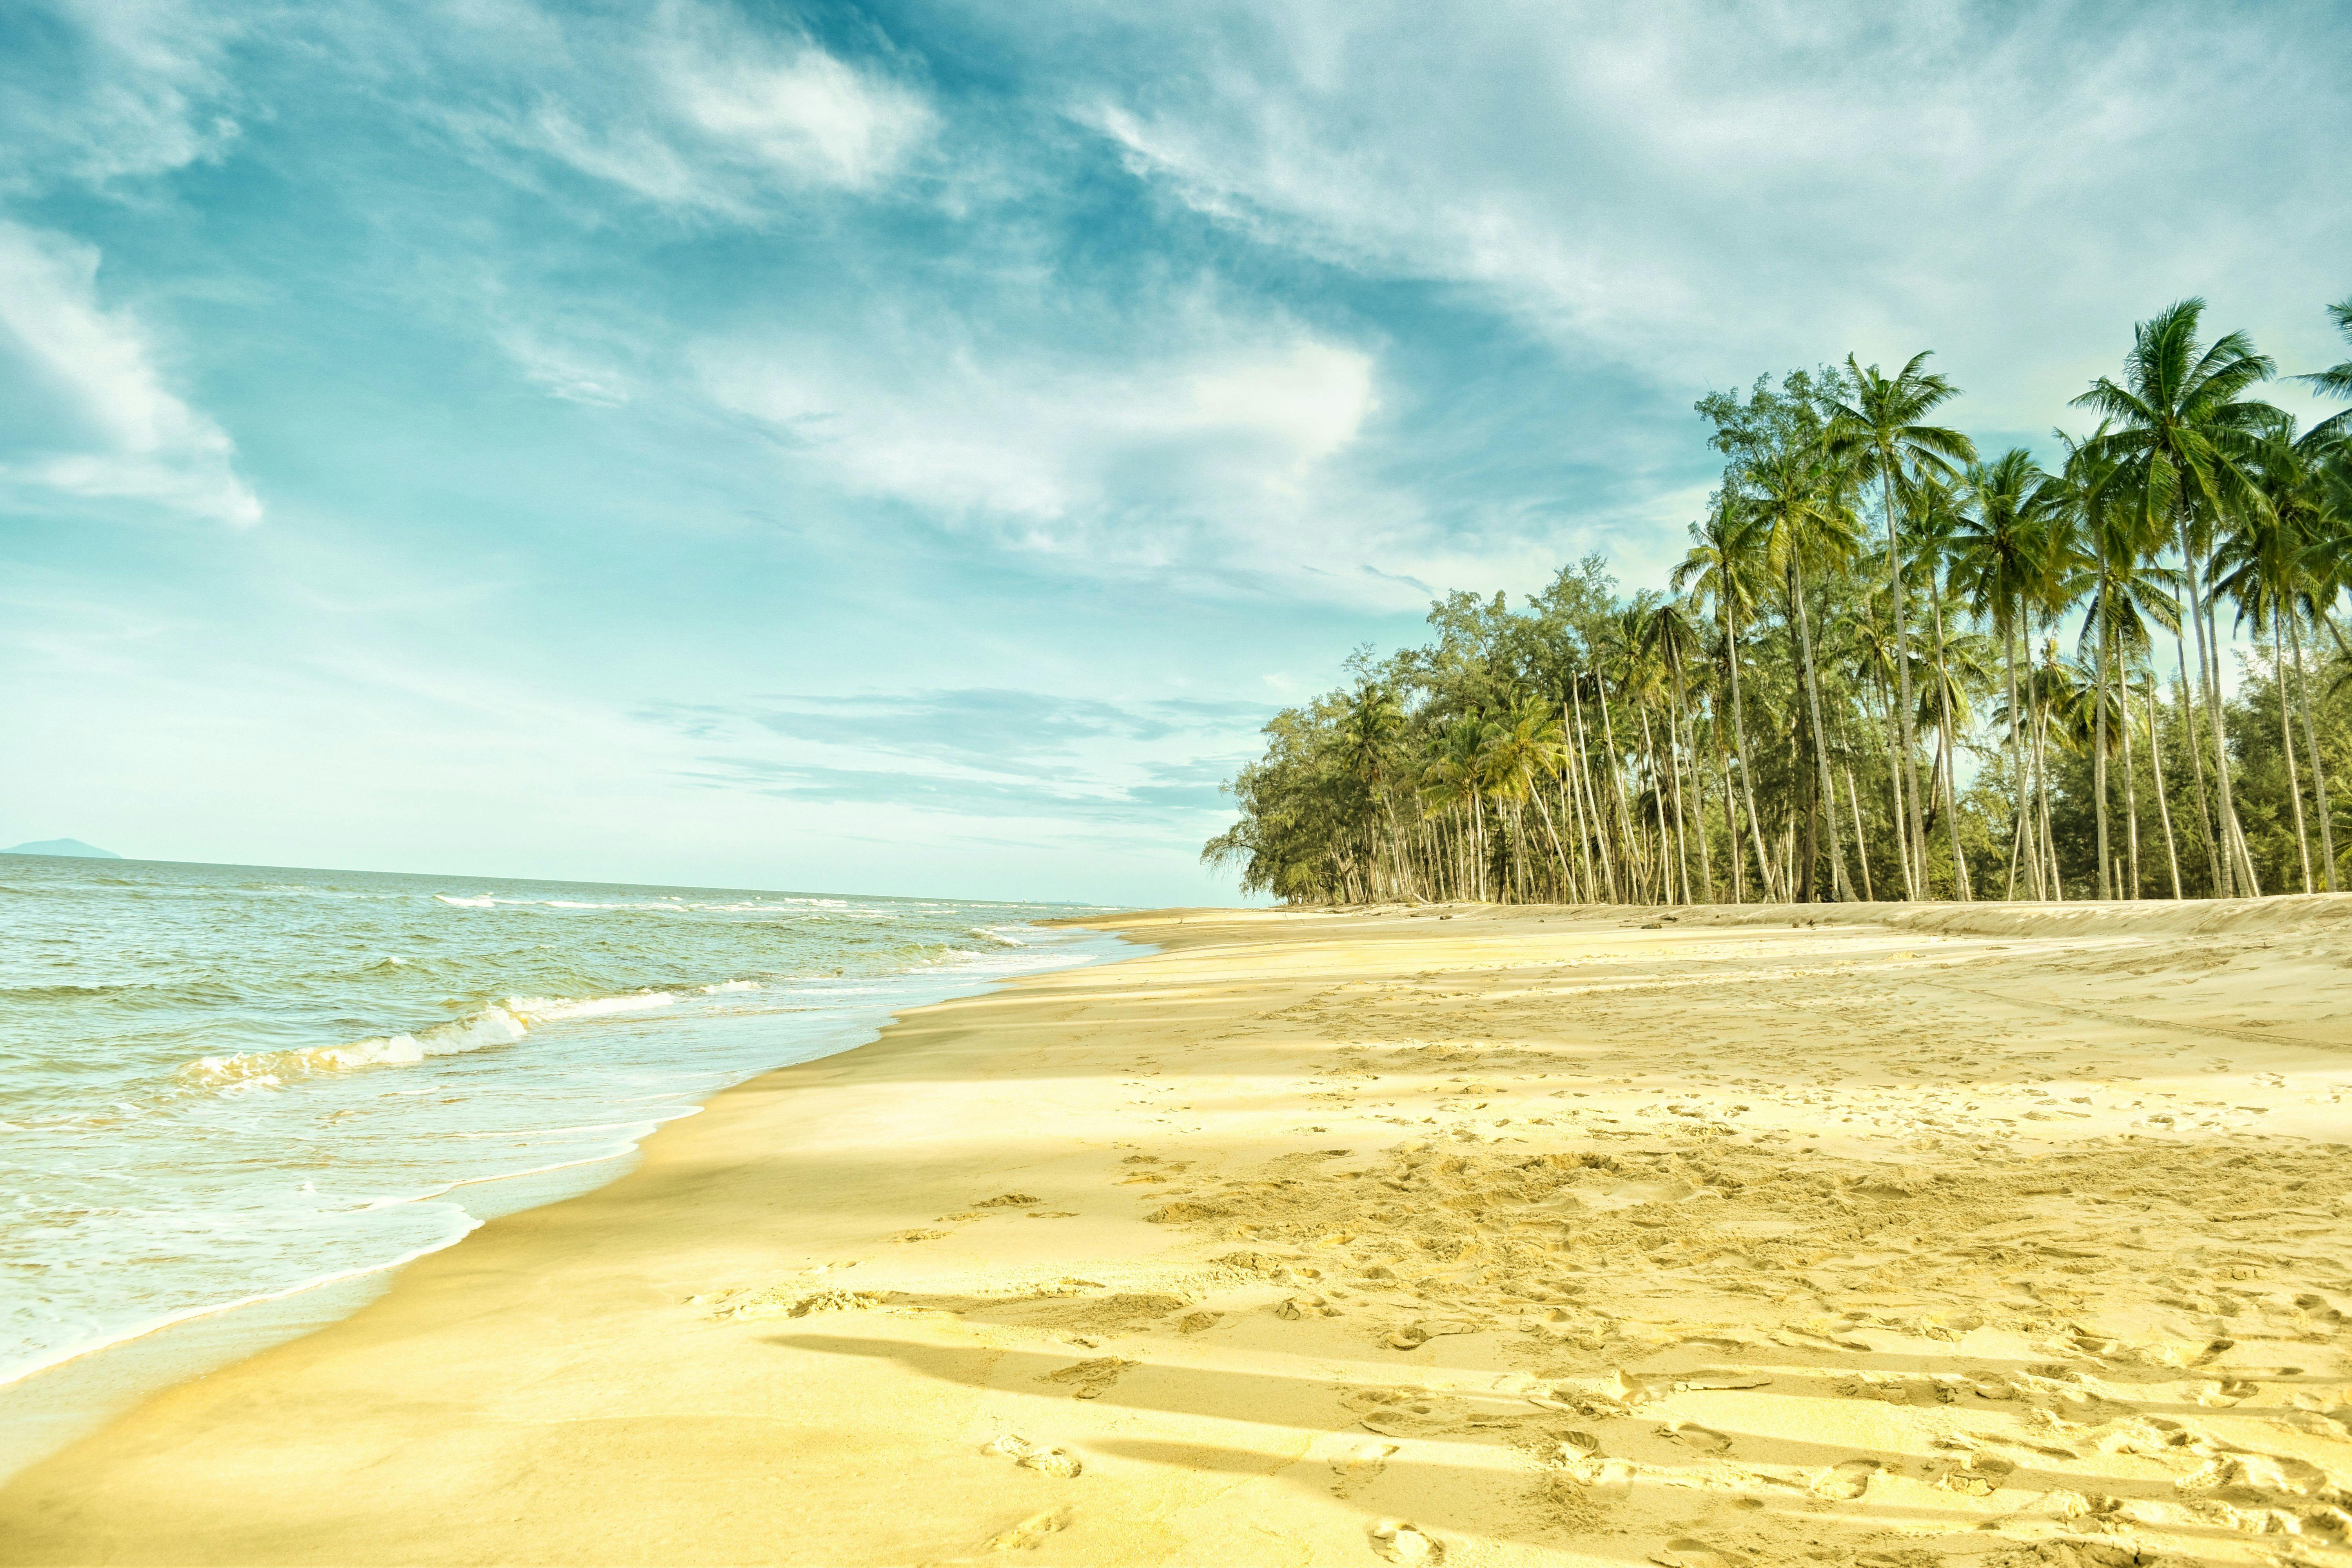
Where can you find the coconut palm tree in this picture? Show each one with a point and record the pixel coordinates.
(1882, 422)
(1369, 733)
(2182, 436)
(1726, 567)
(2266, 569)
(2003, 565)
(1797, 493)
(1668, 634)
(2125, 590)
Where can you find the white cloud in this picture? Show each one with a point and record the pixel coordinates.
(686, 105)
(92, 415)
(1700, 192)
(124, 88)
(1223, 450)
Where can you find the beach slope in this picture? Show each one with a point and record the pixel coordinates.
(1875, 1236)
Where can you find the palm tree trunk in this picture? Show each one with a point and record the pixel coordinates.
(1894, 794)
(2286, 745)
(1739, 746)
(1731, 821)
(2318, 774)
(1634, 871)
(2216, 874)
(2016, 756)
(1658, 787)
(1689, 751)
(2131, 778)
(2099, 751)
(1840, 887)
(1584, 771)
(1854, 798)
(1567, 875)
(1571, 810)
(1944, 784)
(2233, 846)
(2163, 802)
(2045, 849)
(1948, 742)
(1916, 835)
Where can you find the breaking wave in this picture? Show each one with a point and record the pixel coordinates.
(495, 1025)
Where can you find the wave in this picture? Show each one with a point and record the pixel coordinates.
(498, 1025)
(478, 1031)
(990, 933)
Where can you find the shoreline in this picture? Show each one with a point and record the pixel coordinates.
(1538, 1235)
(45, 1406)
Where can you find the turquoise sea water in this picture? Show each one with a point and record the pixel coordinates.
(223, 1083)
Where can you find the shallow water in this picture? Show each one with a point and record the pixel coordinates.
(220, 1083)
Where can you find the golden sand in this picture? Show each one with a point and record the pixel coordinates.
(1980, 1236)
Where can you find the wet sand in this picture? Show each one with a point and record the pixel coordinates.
(1987, 1235)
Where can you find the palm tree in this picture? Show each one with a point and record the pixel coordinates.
(1804, 519)
(2266, 569)
(2002, 561)
(2126, 590)
(1668, 635)
(1520, 753)
(1367, 735)
(1885, 427)
(1724, 566)
(2182, 437)
(1938, 526)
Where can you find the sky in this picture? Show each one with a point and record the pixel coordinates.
(912, 447)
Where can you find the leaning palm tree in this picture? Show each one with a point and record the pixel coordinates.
(2182, 440)
(1884, 423)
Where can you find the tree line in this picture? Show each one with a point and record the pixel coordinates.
(1889, 667)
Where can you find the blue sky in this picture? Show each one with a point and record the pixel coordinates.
(911, 448)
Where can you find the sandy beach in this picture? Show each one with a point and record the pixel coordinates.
(1872, 1236)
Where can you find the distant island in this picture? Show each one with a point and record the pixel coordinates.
(61, 847)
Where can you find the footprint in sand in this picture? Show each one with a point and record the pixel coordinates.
(1845, 1480)
(1579, 1446)
(1689, 1553)
(1352, 1473)
(1706, 1439)
(1980, 1475)
(1030, 1532)
(1402, 1541)
(1059, 1463)
(1412, 1336)
(1090, 1379)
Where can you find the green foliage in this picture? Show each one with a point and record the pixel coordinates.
(1822, 708)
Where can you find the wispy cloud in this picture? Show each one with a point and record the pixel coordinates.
(1689, 190)
(96, 91)
(92, 417)
(980, 752)
(1129, 456)
(685, 104)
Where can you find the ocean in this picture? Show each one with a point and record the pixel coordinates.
(228, 1084)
